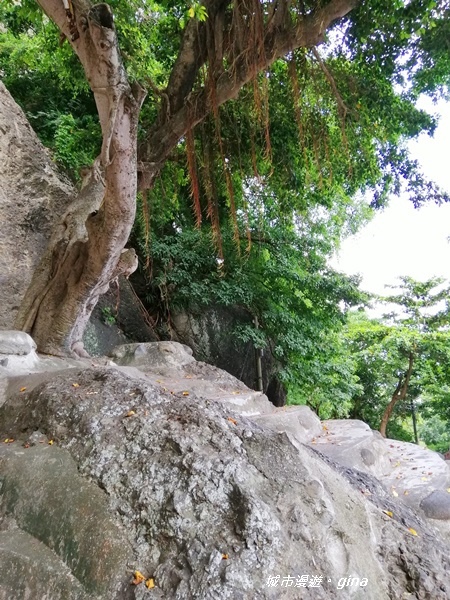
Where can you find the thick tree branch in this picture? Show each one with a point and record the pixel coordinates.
(185, 70)
(307, 32)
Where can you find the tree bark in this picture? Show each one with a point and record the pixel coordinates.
(399, 394)
(86, 251)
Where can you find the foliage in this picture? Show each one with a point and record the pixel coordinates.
(417, 326)
(283, 279)
(435, 432)
(108, 316)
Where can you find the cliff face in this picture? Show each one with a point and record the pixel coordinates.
(32, 195)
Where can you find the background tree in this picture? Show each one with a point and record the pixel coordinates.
(351, 119)
(403, 356)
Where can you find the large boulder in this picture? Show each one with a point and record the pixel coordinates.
(211, 504)
(32, 195)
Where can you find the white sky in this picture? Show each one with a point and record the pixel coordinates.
(402, 240)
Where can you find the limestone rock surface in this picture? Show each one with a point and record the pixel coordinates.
(202, 499)
(32, 195)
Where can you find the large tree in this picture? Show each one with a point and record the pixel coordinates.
(222, 47)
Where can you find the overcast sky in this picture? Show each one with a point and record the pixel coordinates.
(402, 240)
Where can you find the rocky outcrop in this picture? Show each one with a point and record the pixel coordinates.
(32, 195)
(210, 334)
(150, 466)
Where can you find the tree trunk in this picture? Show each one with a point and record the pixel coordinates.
(86, 251)
(399, 394)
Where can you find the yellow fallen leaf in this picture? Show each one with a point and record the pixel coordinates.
(130, 413)
(185, 393)
(51, 442)
(138, 578)
(150, 583)
(225, 556)
(411, 530)
(22, 389)
(405, 493)
(75, 385)
(388, 513)
(8, 441)
(395, 493)
(424, 478)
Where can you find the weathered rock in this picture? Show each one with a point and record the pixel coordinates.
(213, 505)
(437, 505)
(32, 195)
(30, 570)
(16, 342)
(209, 332)
(353, 444)
(172, 365)
(17, 352)
(157, 356)
(49, 500)
(299, 423)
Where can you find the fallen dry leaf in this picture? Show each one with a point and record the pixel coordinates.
(75, 385)
(185, 393)
(130, 413)
(395, 493)
(225, 556)
(405, 493)
(138, 578)
(388, 513)
(22, 389)
(150, 583)
(51, 442)
(413, 531)
(232, 420)
(8, 441)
